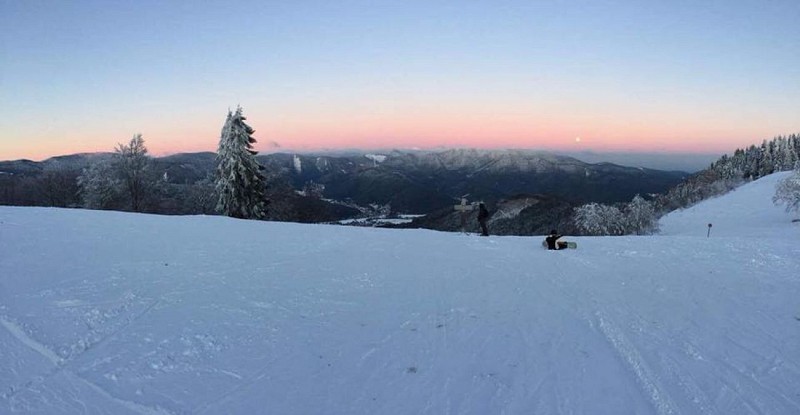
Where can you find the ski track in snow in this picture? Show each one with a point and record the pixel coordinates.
(60, 365)
(105, 312)
(627, 352)
(23, 337)
(130, 405)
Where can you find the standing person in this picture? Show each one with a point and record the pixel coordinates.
(483, 215)
(552, 241)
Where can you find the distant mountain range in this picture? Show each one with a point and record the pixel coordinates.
(421, 182)
(528, 192)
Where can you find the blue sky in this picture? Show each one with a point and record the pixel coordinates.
(621, 75)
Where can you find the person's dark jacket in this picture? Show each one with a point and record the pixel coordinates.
(483, 213)
(551, 241)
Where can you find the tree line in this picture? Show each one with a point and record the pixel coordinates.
(641, 216)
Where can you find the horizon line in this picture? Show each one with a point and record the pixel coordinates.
(280, 150)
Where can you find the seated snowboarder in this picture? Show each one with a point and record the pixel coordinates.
(553, 242)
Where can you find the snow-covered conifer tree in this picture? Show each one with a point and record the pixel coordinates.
(788, 191)
(768, 158)
(753, 157)
(239, 183)
(786, 154)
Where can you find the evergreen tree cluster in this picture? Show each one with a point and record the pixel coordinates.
(778, 154)
(728, 172)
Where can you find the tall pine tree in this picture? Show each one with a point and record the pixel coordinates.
(239, 184)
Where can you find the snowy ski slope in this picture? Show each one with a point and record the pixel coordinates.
(115, 313)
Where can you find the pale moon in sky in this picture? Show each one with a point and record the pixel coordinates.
(577, 139)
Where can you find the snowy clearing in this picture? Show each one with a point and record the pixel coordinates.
(107, 312)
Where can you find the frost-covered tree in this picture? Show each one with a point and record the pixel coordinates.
(767, 158)
(788, 191)
(133, 167)
(727, 173)
(640, 217)
(599, 219)
(99, 186)
(787, 156)
(239, 183)
(125, 182)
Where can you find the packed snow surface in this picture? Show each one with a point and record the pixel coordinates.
(745, 212)
(115, 313)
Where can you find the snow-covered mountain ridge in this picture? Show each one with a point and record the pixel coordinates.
(424, 182)
(108, 312)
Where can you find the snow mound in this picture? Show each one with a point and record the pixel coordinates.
(747, 211)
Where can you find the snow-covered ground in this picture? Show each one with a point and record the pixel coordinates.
(745, 212)
(115, 313)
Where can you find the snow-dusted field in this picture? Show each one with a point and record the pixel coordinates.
(114, 313)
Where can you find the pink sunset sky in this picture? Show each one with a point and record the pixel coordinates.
(677, 77)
